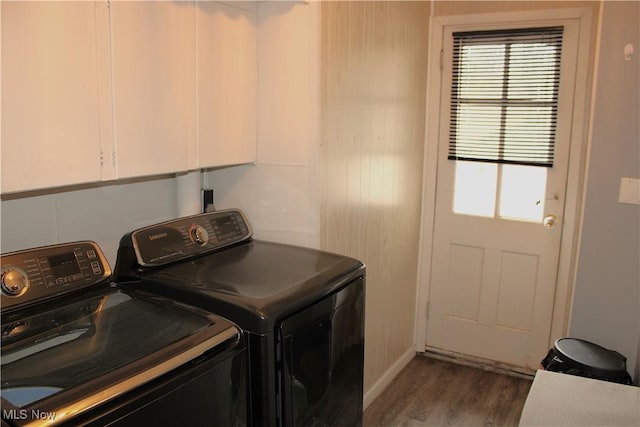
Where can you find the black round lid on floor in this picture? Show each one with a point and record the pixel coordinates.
(592, 357)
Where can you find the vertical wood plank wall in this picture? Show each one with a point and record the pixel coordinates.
(373, 83)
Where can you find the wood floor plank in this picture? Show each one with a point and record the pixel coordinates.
(432, 392)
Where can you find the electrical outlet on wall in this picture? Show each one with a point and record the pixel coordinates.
(207, 200)
(629, 190)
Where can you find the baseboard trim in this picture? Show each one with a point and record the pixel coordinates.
(480, 363)
(386, 378)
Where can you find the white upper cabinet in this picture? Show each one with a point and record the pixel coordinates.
(226, 83)
(153, 55)
(95, 90)
(55, 112)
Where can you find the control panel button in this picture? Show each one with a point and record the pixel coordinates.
(14, 281)
(95, 267)
(198, 235)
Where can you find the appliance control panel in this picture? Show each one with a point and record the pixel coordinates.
(186, 237)
(31, 275)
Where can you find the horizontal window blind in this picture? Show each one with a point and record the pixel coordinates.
(504, 96)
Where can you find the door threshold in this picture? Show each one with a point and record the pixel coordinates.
(478, 362)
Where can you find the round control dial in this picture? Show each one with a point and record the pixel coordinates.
(198, 235)
(14, 281)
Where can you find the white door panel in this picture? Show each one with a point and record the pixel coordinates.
(498, 287)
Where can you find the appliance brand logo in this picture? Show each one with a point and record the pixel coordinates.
(158, 236)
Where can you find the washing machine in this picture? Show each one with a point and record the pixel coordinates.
(79, 350)
(301, 310)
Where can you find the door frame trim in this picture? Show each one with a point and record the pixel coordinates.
(578, 150)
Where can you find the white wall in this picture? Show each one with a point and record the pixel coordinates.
(100, 213)
(606, 308)
(279, 193)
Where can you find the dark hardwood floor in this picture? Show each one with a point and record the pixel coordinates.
(432, 392)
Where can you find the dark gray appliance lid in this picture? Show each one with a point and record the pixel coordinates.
(254, 283)
(64, 359)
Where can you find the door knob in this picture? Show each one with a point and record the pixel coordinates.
(549, 221)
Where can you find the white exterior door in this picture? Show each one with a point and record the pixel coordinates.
(496, 237)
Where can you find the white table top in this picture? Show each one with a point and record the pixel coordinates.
(557, 399)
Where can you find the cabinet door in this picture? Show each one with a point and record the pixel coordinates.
(227, 83)
(153, 54)
(51, 93)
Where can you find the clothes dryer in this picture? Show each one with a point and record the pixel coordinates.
(302, 310)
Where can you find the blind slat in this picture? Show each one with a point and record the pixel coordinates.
(504, 95)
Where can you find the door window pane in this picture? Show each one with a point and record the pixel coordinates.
(522, 192)
(475, 188)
